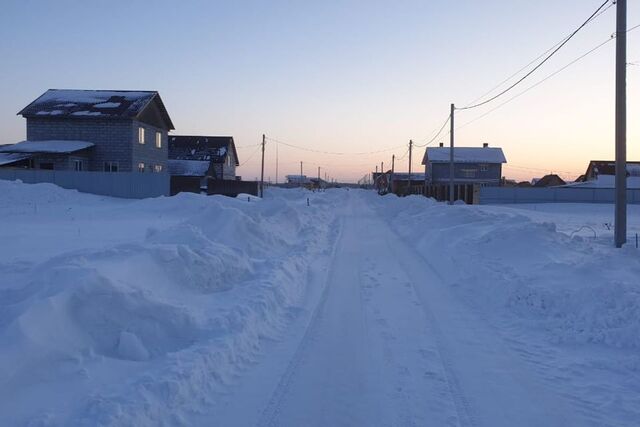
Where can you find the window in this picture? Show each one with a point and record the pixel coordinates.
(157, 168)
(140, 135)
(77, 165)
(158, 140)
(484, 168)
(469, 173)
(47, 166)
(141, 167)
(111, 166)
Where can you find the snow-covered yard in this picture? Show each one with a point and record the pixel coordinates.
(355, 310)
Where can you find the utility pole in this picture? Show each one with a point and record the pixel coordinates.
(300, 174)
(318, 177)
(409, 178)
(276, 163)
(393, 166)
(620, 232)
(451, 140)
(262, 172)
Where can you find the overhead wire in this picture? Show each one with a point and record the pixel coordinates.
(536, 58)
(437, 134)
(589, 52)
(335, 153)
(251, 156)
(540, 64)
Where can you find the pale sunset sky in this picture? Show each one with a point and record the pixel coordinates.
(337, 76)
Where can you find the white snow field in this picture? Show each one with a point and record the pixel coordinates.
(356, 310)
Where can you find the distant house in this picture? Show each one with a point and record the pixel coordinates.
(601, 174)
(551, 180)
(203, 156)
(472, 165)
(93, 130)
(297, 179)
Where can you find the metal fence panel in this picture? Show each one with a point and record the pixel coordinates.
(130, 185)
(510, 195)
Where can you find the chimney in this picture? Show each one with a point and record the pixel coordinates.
(441, 144)
(485, 144)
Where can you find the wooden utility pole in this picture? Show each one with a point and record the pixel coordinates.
(262, 172)
(409, 178)
(300, 174)
(276, 163)
(393, 166)
(620, 232)
(318, 177)
(451, 168)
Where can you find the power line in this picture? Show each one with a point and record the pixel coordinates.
(520, 80)
(336, 153)
(535, 59)
(589, 52)
(404, 155)
(558, 71)
(437, 134)
(252, 154)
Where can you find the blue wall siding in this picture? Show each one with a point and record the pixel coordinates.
(464, 172)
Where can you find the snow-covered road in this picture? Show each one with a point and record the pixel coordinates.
(389, 344)
(350, 310)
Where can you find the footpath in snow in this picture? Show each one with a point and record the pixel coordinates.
(356, 310)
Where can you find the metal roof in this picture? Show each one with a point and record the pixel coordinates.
(464, 155)
(83, 104)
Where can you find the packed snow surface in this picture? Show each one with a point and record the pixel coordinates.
(352, 310)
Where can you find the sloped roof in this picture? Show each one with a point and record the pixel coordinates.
(464, 155)
(8, 158)
(209, 148)
(188, 167)
(78, 104)
(550, 180)
(49, 147)
(608, 167)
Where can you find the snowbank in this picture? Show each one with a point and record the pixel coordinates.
(508, 265)
(119, 312)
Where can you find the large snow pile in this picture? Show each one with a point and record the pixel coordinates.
(118, 312)
(509, 262)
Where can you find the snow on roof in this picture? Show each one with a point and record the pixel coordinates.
(51, 146)
(93, 103)
(214, 148)
(607, 181)
(188, 167)
(465, 155)
(8, 158)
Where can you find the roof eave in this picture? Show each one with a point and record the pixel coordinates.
(163, 110)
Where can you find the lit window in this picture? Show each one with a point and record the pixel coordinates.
(141, 135)
(158, 140)
(157, 168)
(141, 167)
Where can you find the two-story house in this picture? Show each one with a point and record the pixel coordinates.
(93, 130)
(472, 165)
(204, 156)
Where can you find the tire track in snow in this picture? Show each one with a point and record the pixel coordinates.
(272, 410)
(464, 411)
